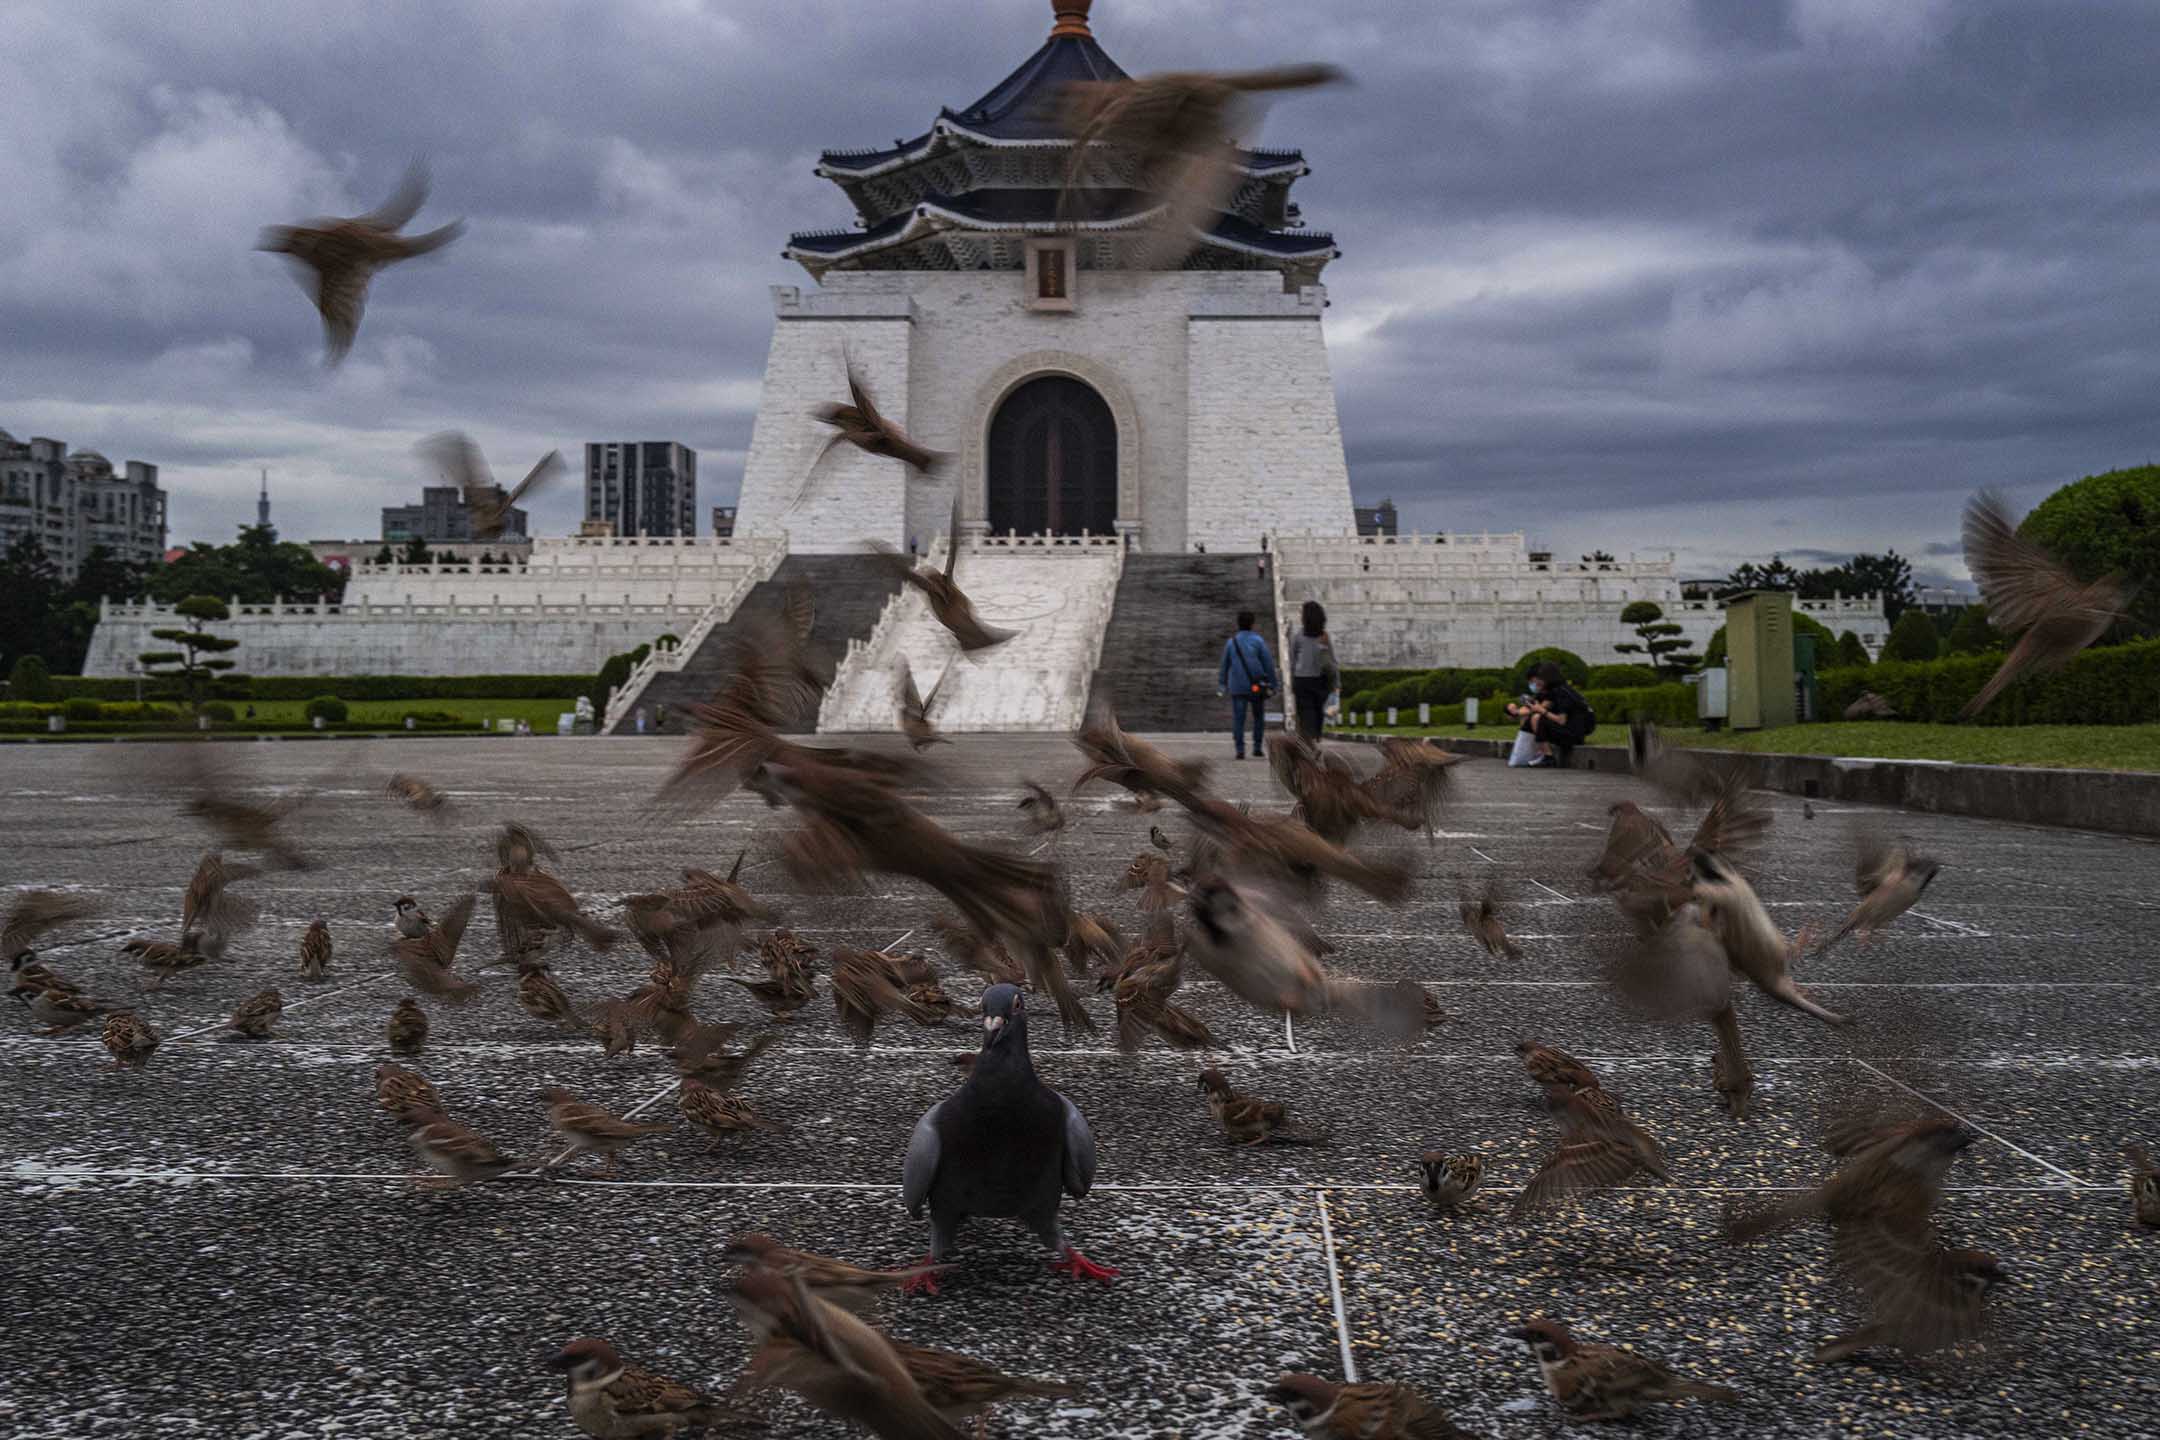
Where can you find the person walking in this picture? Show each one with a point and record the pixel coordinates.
(1313, 673)
(1247, 675)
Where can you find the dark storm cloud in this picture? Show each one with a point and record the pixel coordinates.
(1641, 274)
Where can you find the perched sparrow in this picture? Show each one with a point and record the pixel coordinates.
(1371, 1411)
(827, 1278)
(415, 794)
(487, 505)
(425, 960)
(612, 1399)
(1250, 1121)
(618, 1028)
(165, 959)
(37, 911)
(1159, 840)
(838, 1362)
(1481, 917)
(1178, 132)
(63, 1010)
(949, 604)
(458, 1153)
(718, 1113)
(1891, 879)
(408, 1027)
(540, 997)
(2027, 589)
(29, 976)
(1041, 810)
(130, 1039)
(1807, 809)
(412, 922)
(1450, 1180)
(344, 254)
(1603, 1382)
(705, 1053)
(960, 1387)
(860, 424)
(2144, 1185)
(586, 1127)
(315, 951)
(257, 1014)
(399, 1090)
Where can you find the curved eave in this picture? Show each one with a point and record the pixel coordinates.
(818, 251)
(850, 166)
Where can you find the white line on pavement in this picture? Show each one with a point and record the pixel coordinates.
(1334, 1283)
(1971, 1125)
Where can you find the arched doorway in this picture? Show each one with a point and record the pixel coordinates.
(1052, 461)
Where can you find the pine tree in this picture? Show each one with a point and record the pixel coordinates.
(1657, 639)
(189, 664)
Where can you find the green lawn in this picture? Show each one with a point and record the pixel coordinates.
(540, 714)
(2086, 747)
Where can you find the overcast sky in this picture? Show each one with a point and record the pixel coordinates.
(1730, 276)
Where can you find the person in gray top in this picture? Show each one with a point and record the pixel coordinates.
(1313, 673)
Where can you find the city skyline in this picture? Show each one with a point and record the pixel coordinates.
(1795, 278)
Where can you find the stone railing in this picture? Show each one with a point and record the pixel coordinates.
(366, 611)
(667, 659)
(602, 555)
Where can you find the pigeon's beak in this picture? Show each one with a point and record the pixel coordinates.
(993, 1028)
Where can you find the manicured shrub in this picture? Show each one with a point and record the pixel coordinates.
(219, 711)
(29, 679)
(1851, 654)
(82, 711)
(328, 708)
(1623, 677)
(1358, 679)
(1914, 637)
(1573, 666)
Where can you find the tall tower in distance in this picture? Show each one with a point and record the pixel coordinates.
(642, 487)
(262, 505)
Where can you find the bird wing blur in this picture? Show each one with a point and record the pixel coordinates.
(339, 257)
(2028, 590)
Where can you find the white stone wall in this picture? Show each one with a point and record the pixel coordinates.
(342, 645)
(942, 349)
(1480, 600)
(570, 569)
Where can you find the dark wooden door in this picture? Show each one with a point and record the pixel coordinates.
(1053, 461)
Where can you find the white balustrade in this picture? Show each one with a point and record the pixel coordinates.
(664, 659)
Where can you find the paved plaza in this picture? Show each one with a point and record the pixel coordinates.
(229, 1243)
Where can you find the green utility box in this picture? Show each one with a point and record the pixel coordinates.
(1759, 653)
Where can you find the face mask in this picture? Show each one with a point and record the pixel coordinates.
(1537, 687)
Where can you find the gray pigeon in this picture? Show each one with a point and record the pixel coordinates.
(1002, 1144)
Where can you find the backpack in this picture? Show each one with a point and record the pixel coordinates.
(1589, 721)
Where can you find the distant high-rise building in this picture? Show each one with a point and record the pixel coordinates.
(442, 516)
(642, 487)
(262, 507)
(723, 521)
(1376, 519)
(76, 503)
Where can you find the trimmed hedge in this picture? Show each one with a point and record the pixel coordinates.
(2108, 685)
(352, 687)
(1623, 677)
(1356, 680)
(329, 708)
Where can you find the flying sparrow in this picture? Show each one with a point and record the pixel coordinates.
(457, 458)
(586, 1127)
(1922, 1298)
(1753, 943)
(1481, 917)
(416, 794)
(1556, 1071)
(1133, 764)
(860, 424)
(915, 711)
(1371, 1411)
(1894, 1174)
(612, 1399)
(408, 1027)
(827, 1278)
(986, 958)
(1179, 133)
(2027, 589)
(838, 1362)
(255, 1015)
(205, 907)
(718, 1113)
(781, 998)
(1041, 810)
(949, 604)
(1450, 1180)
(1251, 1121)
(338, 257)
(2144, 1185)
(1150, 875)
(425, 960)
(1246, 937)
(1591, 1381)
(315, 951)
(130, 1039)
(399, 1090)
(37, 911)
(1891, 879)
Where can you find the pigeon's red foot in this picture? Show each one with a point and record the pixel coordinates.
(925, 1283)
(1078, 1266)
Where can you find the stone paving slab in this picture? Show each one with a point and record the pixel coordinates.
(343, 1300)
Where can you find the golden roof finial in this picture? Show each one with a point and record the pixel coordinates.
(1071, 18)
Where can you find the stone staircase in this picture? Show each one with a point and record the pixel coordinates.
(1166, 637)
(851, 595)
(1056, 592)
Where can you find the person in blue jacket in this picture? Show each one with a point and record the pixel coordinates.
(1248, 677)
